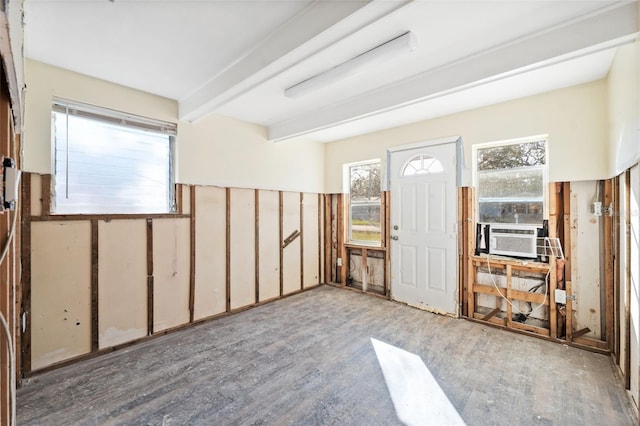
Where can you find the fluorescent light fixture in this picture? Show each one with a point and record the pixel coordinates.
(383, 52)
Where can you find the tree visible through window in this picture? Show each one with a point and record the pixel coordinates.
(511, 182)
(364, 197)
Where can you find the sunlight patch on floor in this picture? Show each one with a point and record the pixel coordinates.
(416, 395)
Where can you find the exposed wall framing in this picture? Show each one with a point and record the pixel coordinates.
(356, 266)
(558, 322)
(10, 231)
(102, 282)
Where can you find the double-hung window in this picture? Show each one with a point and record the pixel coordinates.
(511, 181)
(364, 202)
(108, 162)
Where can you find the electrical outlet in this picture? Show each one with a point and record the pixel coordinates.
(339, 261)
(597, 208)
(561, 296)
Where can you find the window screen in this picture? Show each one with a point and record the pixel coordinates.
(511, 182)
(108, 162)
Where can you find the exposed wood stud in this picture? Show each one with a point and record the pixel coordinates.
(149, 277)
(608, 264)
(627, 296)
(228, 250)
(291, 238)
(301, 240)
(509, 296)
(257, 243)
(320, 215)
(179, 208)
(469, 244)
(558, 232)
(616, 287)
(341, 239)
(192, 248)
(566, 247)
(471, 236)
(95, 317)
(108, 217)
(328, 250)
(7, 287)
(387, 243)
(553, 227)
(490, 314)
(281, 231)
(46, 196)
(26, 271)
(16, 273)
(582, 332)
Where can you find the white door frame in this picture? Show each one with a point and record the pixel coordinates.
(459, 170)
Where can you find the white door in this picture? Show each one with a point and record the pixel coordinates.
(424, 201)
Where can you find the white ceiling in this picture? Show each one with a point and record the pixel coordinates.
(237, 57)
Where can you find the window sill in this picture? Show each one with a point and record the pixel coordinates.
(359, 245)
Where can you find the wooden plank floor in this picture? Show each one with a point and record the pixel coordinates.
(308, 359)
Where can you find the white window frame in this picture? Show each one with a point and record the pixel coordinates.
(135, 122)
(346, 175)
(518, 141)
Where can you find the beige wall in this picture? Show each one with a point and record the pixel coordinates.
(226, 152)
(45, 82)
(67, 275)
(214, 151)
(574, 118)
(623, 84)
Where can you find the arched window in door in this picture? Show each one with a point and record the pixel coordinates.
(422, 164)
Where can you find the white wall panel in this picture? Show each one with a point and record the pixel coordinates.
(243, 271)
(311, 240)
(210, 270)
(171, 262)
(291, 254)
(269, 244)
(122, 281)
(60, 291)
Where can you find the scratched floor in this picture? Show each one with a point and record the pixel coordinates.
(309, 360)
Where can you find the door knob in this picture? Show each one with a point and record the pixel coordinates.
(395, 227)
(394, 237)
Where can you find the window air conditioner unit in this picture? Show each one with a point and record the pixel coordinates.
(513, 240)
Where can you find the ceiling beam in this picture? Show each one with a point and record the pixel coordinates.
(318, 25)
(602, 30)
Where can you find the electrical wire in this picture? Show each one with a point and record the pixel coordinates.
(5, 327)
(3, 320)
(546, 291)
(12, 367)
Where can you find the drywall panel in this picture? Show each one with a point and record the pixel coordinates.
(269, 244)
(36, 194)
(171, 261)
(60, 291)
(575, 118)
(243, 247)
(585, 264)
(46, 81)
(310, 240)
(211, 150)
(122, 281)
(210, 272)
(291, 254)
(623, 84)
